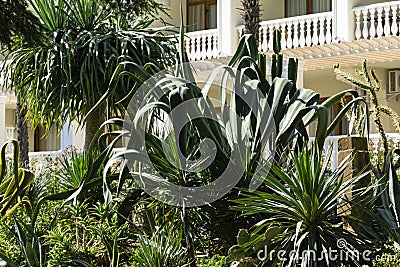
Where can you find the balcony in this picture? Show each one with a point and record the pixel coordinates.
(202, 45)
(297, 32)
(346, 35)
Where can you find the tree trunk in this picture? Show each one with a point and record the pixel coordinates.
(22, 131)
(93, 123)
(251, 16)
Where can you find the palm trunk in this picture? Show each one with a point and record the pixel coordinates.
(22, 131)
(93, 123)
(251, 17)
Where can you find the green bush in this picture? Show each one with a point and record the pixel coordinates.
(388, 257)
(215, 261)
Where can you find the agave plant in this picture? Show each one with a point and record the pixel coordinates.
(304, 214)
(389, 195)
(14, 186)
(261, 117)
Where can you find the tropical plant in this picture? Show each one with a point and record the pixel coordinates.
(385, 200)
(162, 249)
(18, 26)
(389, 190)
(281, 105)
(137, 8)
(72, 168)
(17, 21)
(14, 185)
(251, 16)
(64, 75)
(303, 208)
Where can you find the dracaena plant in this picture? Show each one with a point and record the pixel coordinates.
(304, 205)
(67, 71)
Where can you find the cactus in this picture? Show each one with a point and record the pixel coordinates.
(277, 62)
(277, 42)
(272, 232)
(243, 237)
(262, 63)
(236, 252)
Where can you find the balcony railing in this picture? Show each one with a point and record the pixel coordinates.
(201, 45)
(377, 20)
(301, 31)
(10, 134)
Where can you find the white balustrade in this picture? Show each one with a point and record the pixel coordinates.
(377, 20)
(301, 31)
(201, 45)
(10, 134)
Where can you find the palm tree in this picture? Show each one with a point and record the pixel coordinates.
(251, 16)
(66, 75)
(18, 26)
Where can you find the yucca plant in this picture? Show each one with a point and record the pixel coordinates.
(304, 207)
(72, 169)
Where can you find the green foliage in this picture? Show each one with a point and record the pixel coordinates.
(17, 22)
(215, 261)
(73, 168)
(9, 246)
(389, 256)
(68, 71)
(389, 191)
(13, 185)
(162, 249)
(137, 8)
(301, 207)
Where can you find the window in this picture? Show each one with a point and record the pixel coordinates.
(201, 14)
(304, 7)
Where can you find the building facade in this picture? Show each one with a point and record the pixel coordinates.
(319, 33)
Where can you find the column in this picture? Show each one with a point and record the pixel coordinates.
(227, 20)
(66, 136)
(343, 22)
(3, 101)
(357, 149)
(300, 74)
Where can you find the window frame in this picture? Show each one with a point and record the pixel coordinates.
(207, 4)
(309, 7)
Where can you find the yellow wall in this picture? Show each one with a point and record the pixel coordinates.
(10, 117)
(272, 9)
(326, 84)
(367, 2)
(174, 12)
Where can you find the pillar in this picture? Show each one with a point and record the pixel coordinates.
(354, 149)
(3, 101)
(227, 20)
(343, 23)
